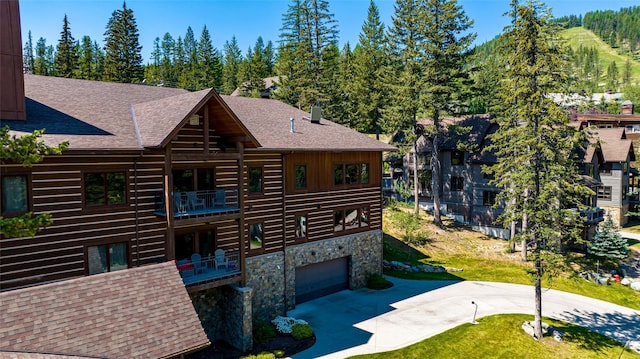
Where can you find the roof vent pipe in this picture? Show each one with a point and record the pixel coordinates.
(293, 128)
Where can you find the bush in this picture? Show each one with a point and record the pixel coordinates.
(278, 353)
(377, 281)
(264, 355)
(301, 331)
(263, 331)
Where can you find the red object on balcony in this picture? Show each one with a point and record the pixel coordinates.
(185, 267)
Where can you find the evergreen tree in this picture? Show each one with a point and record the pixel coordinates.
(86, 60)
(190, 69)
(535, 148)
(330, 79)
(346, 112)
(368, 89)
(123, 59)
(167, 55)
(209, 63)
(612, 76)
(308, 28)
(608, 243)
(626, 74)
(269, 57)
(232, 59)
(446, 50)
(44, 63)
(27, 56)
(66, 58)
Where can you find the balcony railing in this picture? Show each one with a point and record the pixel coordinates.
(199, 203)
(209, 270)
(592, 215)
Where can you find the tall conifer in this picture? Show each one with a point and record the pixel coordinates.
(123, 59)
(66, 57)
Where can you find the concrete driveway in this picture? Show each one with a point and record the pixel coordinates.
(367, 321)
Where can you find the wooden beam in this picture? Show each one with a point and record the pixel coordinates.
(206, 157)
(168, 202)
(205, 150)
(240, 148)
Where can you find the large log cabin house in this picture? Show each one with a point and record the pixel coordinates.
(258, 205)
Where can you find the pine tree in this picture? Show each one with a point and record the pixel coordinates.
(66, 59)
(86, 60)
(167, 56)
(446, 55)
(612, 76)
(28, 58)
(535, 148)
(123, 59)
(368, 89)
(308, 28)
(232, 59)
(43, 63)
(347, 106)
(209, 63)
(190, 69)
(608, 243)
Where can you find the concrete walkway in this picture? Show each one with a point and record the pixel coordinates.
(367, 321)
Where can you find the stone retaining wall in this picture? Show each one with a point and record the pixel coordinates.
(265, 275)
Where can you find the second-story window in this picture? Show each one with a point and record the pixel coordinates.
(457, 183)
(351, 174)
(255, 180)
(107, 257)
(301, 176)
(605, 169)
(15, 194)
(105, 188)
(604, 192)
(457, 158)
(489, 198)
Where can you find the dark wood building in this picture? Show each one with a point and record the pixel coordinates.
(259, 206)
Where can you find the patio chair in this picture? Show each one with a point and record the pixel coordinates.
(220, 259)
(195, 203)
(220, 199)
(198, 266)
(179, 204)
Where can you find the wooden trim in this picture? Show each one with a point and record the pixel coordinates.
(241, 237)
(216, 283)
(205, 157)
(205, 133)
(168, 201)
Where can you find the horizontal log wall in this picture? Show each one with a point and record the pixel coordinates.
(265, 207)
(58, 251)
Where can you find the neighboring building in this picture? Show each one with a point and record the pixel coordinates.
(258, 211)
(467, 196)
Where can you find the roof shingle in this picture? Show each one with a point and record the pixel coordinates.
(143, 312)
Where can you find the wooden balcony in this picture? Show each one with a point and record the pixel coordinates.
(196, 204)
(210, 273)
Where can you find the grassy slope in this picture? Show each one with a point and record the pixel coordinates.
(484, 258)
(579, 35)
(500, 336)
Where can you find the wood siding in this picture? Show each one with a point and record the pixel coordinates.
(58, 251)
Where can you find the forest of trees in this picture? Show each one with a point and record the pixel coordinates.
(356, 85)
(619, 29)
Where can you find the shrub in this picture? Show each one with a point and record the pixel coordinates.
(263, 355)
(263, 331)
(301, 331)
(377, 281)
(285, 324)
(278, 353)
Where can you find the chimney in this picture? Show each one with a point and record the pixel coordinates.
(627, 108)
(12, 98)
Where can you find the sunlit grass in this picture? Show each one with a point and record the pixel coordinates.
(501, 336)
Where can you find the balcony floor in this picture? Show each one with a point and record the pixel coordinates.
(201, 212)
(189, 277)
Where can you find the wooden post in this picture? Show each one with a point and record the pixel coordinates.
(205, 125)
(240, 148)
(168, 203)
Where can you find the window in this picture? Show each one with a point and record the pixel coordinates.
(350, 219)
(101, 189)
(301, 227)
(604, 192)
(255, 179)
(301, 176)
(605, 169)
(15, 194)
(107, 257)
(351, 174)
(588, 169)
(457, 157)
(364, 173)
(457, 183)
(256, 236)
(338, 175)
(489, 198)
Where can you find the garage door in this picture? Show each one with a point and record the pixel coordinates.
(320, 279)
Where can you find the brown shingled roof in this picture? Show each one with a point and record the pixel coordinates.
(269, 121)
(615, 146)
(143, 312)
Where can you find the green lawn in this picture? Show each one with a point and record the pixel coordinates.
(500, 336)
(485, 259)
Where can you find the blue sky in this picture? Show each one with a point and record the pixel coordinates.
(247, 19)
